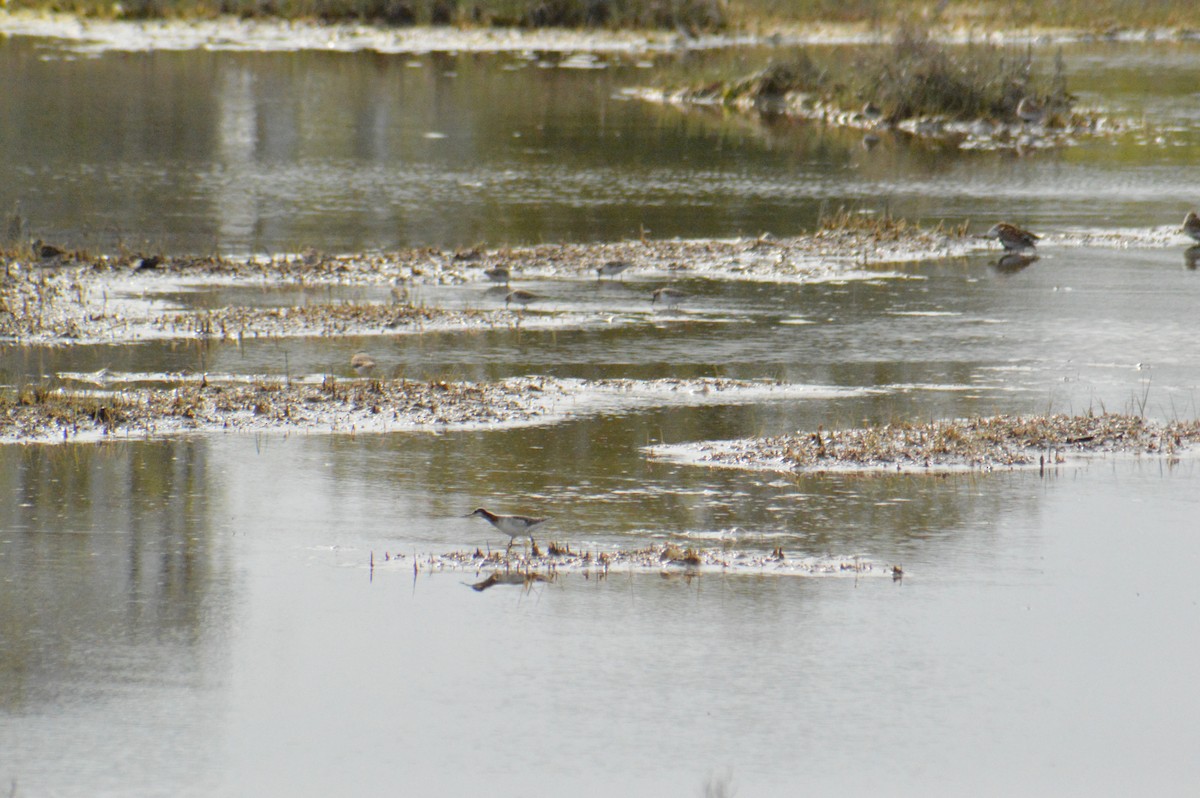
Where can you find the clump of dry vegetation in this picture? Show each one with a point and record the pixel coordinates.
(915, 76)
(1000, 441)
(879, 227)
(76, 295)
(533, 566)
(37, 413)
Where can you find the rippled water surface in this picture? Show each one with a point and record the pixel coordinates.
(200, 616)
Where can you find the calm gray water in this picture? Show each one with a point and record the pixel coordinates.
(236, 152)
(198, 616)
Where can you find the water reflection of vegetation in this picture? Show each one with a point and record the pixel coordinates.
(126, 533)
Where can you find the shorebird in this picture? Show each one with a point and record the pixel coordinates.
(520, 297)
(362, 363)
(872, 112)
(497, 274)
(1191, 225)
(46, 251)
(515, 526)
(1029, 111)
(670, 297)
(1012, 237)
(612, 268)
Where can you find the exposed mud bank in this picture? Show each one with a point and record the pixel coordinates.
(973, 444)
(538, 565)
(79, 298)
(267, 35)
(200, 404)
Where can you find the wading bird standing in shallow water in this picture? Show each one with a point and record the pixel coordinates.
(497, 274)
(515, 526)
(612, 268)
(670, 297)
(1191, 225)
(1012, 237)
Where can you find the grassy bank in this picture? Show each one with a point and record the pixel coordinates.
(979, 89)
(692, 16)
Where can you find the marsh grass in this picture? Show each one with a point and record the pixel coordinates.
(998, 441)
(879, 226)
(912, 77)
(918, 76)
(60, 409)
(41, 413)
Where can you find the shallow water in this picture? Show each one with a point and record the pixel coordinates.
(199, 616)
(238, 152)
(1079, 329)
(221, 632)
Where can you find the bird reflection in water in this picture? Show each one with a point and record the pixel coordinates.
(1191, 257)
(1013, 262)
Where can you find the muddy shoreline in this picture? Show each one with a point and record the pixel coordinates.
(540, 565)
(977, 134)
(77, 299)
(90, 35)
(116, 409)
(81, 298)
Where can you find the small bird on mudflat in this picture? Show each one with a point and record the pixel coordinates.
(1013, 238)
(46, 251)
(612, 268)
(515, 526)
(669, 296)
(1191, 225)
(497, 274)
